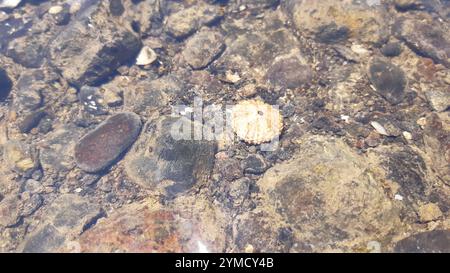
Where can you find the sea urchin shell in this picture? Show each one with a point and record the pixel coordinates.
(256, 122)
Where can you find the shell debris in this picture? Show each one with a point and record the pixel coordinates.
(256, 122)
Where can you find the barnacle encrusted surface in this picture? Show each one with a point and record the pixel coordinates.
(256, 122)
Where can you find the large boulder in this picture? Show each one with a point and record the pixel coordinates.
(328, 196)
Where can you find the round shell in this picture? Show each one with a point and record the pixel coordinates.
(256, 122)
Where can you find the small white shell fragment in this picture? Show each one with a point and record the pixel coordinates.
(55, 9)
(146, 56)
(202, 247)
(407, 135)
(345, 118)
(360, 50)
(422, 122)
(379, 128)
(398, 197)
(256, 122)
(232, 77)
(374, 247)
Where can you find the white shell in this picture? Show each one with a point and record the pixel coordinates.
(55, 9)
(379, 128)
(9, 3)
(256, 122)
(146, 56)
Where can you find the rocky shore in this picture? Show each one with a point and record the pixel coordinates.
(355, 96)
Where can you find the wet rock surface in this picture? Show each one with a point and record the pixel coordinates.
(437, 241)
(96, 53)
(142, 228)
(68, 216)
(332, 22)
(102, 148)
(6, 85)
(203, 48)
(426, 38)
(186, 21)
(161, 161)
(312, 190)
(388, 79)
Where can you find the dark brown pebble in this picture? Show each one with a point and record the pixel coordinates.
(100, 148)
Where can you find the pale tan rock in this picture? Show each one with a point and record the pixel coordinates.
(55, 9)
(429, 212)
(112, 97)
(422, 122)
(18, 156)
(325, 183)
(364, 22)
(186, 21)
(248, 90)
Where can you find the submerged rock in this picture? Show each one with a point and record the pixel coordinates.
(116, 7)
(31, 120)
(162, 160)
(254, 164)
(289, 72)
(391, 49)
(439, 100)
(426, 38)
(5, 85)
(429, 212)
(187, 21)
(19, 156)
(436, 241)
(150, 95)
(45, 239)
(90, 49)
(101, 147)
(388, 79)
(144, 228)
(29, 91)
(57, 150)
(9, 211)
(67, 216)
(203, 48)
(335, 21)
(325, 183)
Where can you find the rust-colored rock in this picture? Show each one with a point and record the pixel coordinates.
(146, 229)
